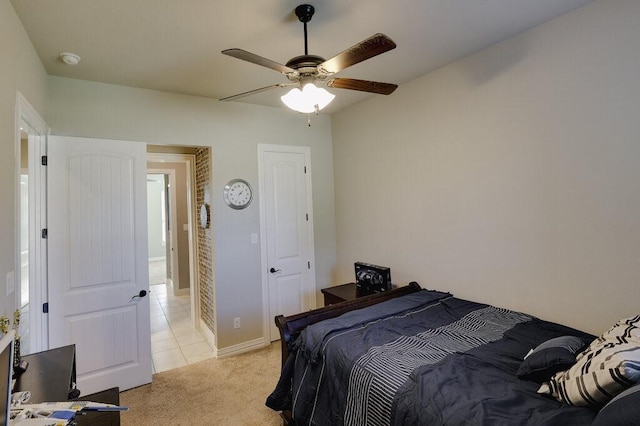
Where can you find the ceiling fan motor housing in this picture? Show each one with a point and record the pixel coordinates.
(306, 65)
(304, 12)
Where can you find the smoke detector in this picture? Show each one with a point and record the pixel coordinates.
(69, 58)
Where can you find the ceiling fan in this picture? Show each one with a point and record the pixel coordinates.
(305, 70)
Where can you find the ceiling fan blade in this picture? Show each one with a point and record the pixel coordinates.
(255, 91)
(373, 46)
(362, 85)
(259, 60)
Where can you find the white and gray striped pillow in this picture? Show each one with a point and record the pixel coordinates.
(607, 367)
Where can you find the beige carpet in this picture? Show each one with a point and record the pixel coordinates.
(227, 391)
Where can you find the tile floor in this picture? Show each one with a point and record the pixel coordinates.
(174, 340)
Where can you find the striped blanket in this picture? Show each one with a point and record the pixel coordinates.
(424, 358)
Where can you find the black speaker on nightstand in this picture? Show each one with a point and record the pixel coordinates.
(371, 278)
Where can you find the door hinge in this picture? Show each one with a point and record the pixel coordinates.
(307, 217)
(44, 160)
(305, 170)
(44, 233)
(45, 308)
(308, 265)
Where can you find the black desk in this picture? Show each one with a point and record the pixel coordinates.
(50, 376)
(108, 418)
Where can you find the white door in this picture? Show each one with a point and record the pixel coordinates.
(287, 232)
(98, 263)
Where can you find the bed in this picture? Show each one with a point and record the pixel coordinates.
(414, 356)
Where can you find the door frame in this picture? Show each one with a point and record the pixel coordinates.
(194, 278)
(264, 260)
(37, 129)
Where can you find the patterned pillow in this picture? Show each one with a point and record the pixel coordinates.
(549, 357)
(607, 367)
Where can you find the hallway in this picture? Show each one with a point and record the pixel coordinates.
(174, 341)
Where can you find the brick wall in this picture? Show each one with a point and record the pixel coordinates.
(204, 240)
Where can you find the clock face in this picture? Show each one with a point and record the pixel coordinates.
(238, 194)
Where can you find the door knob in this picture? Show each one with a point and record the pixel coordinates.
(274, 270)
(140, 295)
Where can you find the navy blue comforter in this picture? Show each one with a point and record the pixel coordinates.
(422, 359)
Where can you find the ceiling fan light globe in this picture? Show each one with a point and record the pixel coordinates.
(309, 99)
(317, 95)
(293, 100)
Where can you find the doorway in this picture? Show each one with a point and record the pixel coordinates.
(176, 338)
(162, 230)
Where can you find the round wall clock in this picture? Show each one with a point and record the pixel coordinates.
(238, 194)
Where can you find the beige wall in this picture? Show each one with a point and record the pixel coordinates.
(20, 70)
(511, 176)
(232, 130)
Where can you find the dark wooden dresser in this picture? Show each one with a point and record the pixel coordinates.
(339, 293)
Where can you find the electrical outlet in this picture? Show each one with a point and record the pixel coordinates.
(236, 323)
(11, 284)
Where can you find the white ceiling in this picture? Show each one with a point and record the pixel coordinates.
(174, 45)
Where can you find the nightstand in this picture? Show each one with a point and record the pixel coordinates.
(339, 293)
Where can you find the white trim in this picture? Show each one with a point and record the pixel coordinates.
(264, 264)
(240, 348)
(37, 129)
(231, 350)
(209, 336)
(311, 296)
(26, 112)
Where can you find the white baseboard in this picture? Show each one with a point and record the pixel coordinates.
(231, 350)
(241, 348)
(208, 334)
